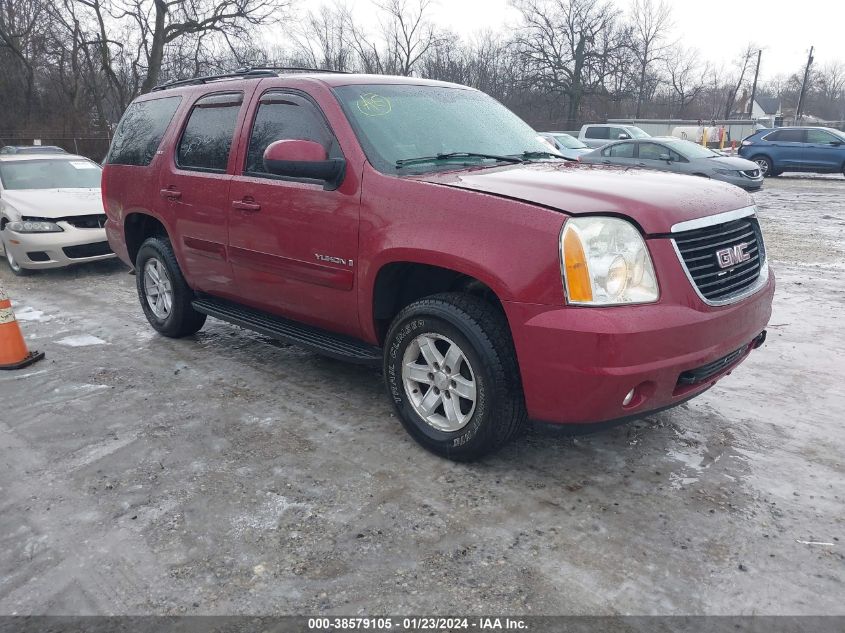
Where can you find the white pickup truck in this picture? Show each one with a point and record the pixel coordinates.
(599, 134)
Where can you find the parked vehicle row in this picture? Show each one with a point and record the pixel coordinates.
(376, 219)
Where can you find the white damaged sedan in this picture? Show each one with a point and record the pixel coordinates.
(51, 211)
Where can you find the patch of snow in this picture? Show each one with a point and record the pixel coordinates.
(81, 340)
(31, 314)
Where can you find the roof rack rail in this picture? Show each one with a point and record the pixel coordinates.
(252, 72)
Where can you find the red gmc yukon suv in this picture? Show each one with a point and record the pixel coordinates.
(423, 227)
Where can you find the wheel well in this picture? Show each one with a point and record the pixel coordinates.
(137, 228)
(401, 283)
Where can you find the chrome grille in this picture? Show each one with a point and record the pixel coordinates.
(698, 249)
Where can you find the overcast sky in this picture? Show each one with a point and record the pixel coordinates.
(720, 29)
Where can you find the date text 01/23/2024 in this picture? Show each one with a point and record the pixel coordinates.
(416, 624)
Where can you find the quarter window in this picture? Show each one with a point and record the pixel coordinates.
(140, 131)
(286, 116)
(207, 138)
(620, 150)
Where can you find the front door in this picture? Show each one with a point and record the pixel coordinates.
(292, 244)
(823, 152)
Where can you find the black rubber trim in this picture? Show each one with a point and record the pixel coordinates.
(327, 343)
(31, 358)
(585, 428)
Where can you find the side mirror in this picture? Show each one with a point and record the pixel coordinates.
(304, 159)
(666, 157)
(624, 137)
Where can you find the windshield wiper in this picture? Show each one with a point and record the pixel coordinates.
(528, 155)
(404, 162)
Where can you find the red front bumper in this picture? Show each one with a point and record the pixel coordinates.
(578, 363)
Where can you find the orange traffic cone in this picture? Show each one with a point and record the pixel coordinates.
(13, 351)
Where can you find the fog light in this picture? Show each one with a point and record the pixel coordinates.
(627, 399)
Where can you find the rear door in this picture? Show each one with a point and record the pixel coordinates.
(619, 154)
(195, 187)
(823, 151)
(293, 245)
(787, 149)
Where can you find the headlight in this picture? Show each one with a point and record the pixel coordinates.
(727, 172)
(605, 262)
(34, 226)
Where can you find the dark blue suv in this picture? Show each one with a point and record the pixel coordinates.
(814, 149)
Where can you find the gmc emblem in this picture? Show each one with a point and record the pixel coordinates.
(732, 256)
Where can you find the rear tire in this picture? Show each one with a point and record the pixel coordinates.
(163, 292)
(476, 405)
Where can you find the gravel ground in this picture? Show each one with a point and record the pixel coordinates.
(231, 474)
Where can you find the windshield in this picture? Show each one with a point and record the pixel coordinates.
(402, 122)
(54, 173)
(690, 149)
(569, 142)
(636, 132)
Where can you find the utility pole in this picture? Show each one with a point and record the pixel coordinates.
(803, 87)
(754, 86)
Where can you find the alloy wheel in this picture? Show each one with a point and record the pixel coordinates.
(439, 382)
(158, 289)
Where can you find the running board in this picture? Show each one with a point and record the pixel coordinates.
(327, 343)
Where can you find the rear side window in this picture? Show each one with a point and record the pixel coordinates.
(140, 131)
(207, 138)
(286, 116)
(597, 132)
(786, 136)
(620, 150)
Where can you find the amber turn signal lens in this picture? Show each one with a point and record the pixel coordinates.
(577, 273)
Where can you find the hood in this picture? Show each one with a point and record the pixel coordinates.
(53, 203)
(733, 162)
(655, 200)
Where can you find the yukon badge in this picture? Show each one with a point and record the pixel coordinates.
(732, 256)
(334, 260)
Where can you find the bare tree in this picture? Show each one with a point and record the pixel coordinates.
(686, 75)
(650, 26)
(732, 89)
(558, 44)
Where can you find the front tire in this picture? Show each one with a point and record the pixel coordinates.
(14, 266)
(451, 372)
(163, 292)
(766, 166)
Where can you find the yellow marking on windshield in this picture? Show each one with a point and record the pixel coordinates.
(371, 104)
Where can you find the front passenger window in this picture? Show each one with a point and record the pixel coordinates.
(286, 116)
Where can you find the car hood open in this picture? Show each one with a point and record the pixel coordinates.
(654, 200)
(54, 203)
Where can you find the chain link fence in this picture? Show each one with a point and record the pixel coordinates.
(91, 145)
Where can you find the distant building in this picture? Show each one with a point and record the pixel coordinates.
(765, 108)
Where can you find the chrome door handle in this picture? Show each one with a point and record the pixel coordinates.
(245, 205)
